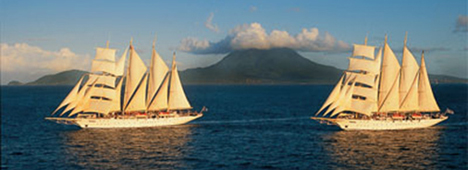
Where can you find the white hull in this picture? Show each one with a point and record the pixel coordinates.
(125, 123)
(359, 124)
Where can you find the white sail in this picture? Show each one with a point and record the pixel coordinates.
(71, 96)
(391, 102)
(341, 96)
(98, 106)
(104, 92)
(135, 74)
(368, 93)
(160, 101)
(157, 72)
(177, 98)
(367, 79)
(389, 82)
(85, 88)
(363, 50)
(378, 62)
(364, 92)
(411, 100)
(409, 70)
(105, 54)
(345, 101)
(116, 102)
(103, 80)
(103, 66)
(137, 103)
(120, 65)
(363, 64)
(427, 102)
(362, 106)
(84, 100)
(333, 95)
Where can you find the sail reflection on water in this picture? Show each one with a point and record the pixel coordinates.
(406, 149)
(145, 148)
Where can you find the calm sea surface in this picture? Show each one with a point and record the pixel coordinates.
(247, 127)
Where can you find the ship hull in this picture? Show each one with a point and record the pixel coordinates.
(357, 124)
(125, 123)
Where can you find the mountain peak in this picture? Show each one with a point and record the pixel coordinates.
(279, 65)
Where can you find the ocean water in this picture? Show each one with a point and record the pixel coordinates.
(246, 127)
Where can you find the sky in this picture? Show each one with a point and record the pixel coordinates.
(46, 37)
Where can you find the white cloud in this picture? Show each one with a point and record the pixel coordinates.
(253, 8)
(253, 35)
(462, 24)
(24, 62)
(209, 24)
(193, 44)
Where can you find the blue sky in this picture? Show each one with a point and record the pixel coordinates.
(43, 37)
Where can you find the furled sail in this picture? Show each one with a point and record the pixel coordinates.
(135, 75)
(427, 102)
(177, 98)
(157, 72)
(389, 99)
(71, 96)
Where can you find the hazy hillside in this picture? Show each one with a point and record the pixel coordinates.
(69, 77)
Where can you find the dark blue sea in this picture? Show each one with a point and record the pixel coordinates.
(246, 127)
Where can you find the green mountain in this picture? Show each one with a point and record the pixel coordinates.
(253, 66)
(14, 83)
(69, 77)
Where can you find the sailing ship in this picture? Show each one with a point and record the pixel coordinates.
(376, 93)
(150, 98)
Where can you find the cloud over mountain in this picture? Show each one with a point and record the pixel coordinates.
(254, 36)
(209, 24)
(462, 24)
(22, 61)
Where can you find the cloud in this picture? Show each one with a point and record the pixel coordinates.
(253, 8)
(24, 62)
(295, 9)
(430, 49)
(209, 24)
(462, 24)
(253, 35)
